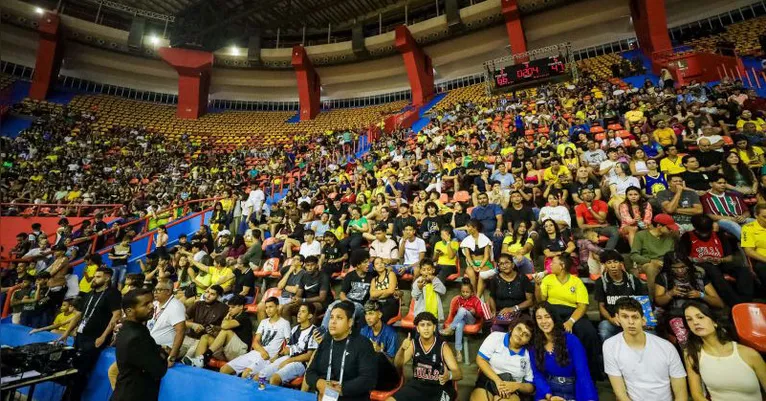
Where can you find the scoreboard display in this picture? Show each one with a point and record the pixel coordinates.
(530, 71)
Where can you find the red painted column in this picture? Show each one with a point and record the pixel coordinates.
(309, 84)
(651, 24)
(420, 71)
(50, 53)
(194, 68)
(516, 37)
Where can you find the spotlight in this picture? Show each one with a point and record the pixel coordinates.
(234, 51)
(39, 10)
(154, 40)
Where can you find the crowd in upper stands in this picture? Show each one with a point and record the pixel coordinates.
(653, 197)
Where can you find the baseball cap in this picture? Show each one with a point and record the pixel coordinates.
(666, 220)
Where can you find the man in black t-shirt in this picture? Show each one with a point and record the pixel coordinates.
(403, 219)
(615, 284)
(244, 280)
(355, 287)
(708, 159)
(314, 288)
(517, 212)
(582, 180)
(451, 178)
(231, 340)
(97, 314)
(693, 177)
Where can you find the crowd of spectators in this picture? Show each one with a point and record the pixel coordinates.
(655, 197)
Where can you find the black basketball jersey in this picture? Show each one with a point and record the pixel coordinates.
(428, 365)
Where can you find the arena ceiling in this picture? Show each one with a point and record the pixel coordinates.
(211, 24)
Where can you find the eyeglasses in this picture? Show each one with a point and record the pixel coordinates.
(161, 289)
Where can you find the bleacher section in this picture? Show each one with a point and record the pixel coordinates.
(225, 130)
(600, 66)
(744, 35)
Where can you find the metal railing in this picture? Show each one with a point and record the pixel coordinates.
(56, 209)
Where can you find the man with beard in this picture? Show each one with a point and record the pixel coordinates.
(95, 318)
(142, 363)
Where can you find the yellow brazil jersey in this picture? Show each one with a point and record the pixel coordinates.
(759, 124)
(570, 293)
(443, 259)
(61, 318)
(665, 136)
(216, 274)
(757, 152)
(550, 177)
(668, 166)
(754, 236)
(516, 246)
(634, 115)
(562, 147)
(91, 271)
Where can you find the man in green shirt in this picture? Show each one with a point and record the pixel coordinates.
(651, 245)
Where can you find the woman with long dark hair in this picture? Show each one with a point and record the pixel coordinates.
(560, 363)
(554, 242)
(511, 293)
(677, 282)
(384, 289)
(218, 219)
(716, 363)
(752, 156)
(519, 244)
(635, 213)
(739, 177)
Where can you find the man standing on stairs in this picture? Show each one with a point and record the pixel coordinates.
(96, 316)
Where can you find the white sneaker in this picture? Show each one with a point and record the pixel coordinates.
(198, 361)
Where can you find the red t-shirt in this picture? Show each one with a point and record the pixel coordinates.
(712, 248)
(582, 211)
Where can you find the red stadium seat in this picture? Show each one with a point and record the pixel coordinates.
(461, 196)
(271, 292)
(398, 316)
(384, 395)
(271, 266)
(750, 322)
(408, 322)
(253, 306)
(7, 304)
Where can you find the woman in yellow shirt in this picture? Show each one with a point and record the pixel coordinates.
(752, 156)
(518, 244)
(570, 159)
(446, 253)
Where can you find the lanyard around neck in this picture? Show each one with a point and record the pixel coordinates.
(342, 361)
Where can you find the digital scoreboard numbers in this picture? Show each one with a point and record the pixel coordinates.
(530, 71)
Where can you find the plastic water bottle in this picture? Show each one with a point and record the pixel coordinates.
(261, 381)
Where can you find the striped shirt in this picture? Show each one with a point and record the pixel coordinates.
(726, 204)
